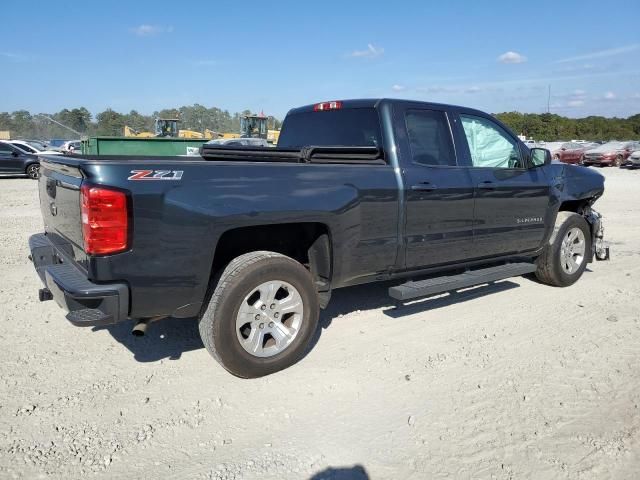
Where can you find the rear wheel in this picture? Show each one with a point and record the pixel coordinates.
(33, 171)
(262, 314)
(564, 258)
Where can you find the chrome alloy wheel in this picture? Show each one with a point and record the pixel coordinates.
(33, 171)
(269, 318)
(572, 250)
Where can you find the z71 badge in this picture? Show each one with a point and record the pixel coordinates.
(156, 175)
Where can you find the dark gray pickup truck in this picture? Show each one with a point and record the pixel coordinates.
(253, 240)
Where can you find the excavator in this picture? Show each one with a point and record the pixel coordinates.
(251, 126)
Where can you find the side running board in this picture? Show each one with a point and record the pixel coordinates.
(431, 286)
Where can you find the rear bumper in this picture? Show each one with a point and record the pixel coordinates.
(87, 303)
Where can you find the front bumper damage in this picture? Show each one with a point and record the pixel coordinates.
(599, 247)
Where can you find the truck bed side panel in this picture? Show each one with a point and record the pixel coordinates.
(177, 224)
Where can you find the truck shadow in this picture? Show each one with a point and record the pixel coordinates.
(170, 338)
(357, 472)
(167, 338)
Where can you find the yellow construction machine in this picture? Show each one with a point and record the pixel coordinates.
(251, 126)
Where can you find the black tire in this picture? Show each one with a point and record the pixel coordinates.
(33, 171)
(550, 270)
(218, 322)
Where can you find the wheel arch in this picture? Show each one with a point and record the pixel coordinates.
(306, 242)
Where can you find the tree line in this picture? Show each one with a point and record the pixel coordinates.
(23, 124)
(545, 126)
(550, 127)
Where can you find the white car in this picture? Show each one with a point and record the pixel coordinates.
(29, 148)
(72, 146)
(242, 142)
(634, 159)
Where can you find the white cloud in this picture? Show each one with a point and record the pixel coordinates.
(512, 57)
(474, 89)
(14, 57)
(609, 96)
(146, 30)
(579, 93)
(398, 88)
(370, 52)
(575, 103)
(601, 53)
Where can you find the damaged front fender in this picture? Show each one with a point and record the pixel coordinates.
(577, 189)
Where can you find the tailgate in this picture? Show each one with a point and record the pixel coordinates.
(59, 188)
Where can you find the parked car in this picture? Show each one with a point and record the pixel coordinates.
(634, 159)
(553, 147)
(71, 146)
(28, 147)
(253, 240)
(248, 142)
(16, 161)
(41, 146)
(572, 152)
(56, 142)
(610, 153)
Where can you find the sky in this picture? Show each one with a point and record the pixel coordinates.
(272, 56)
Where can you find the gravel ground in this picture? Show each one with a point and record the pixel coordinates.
(515, 380)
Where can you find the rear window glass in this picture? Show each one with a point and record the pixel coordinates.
(353, 127)
(430, 138)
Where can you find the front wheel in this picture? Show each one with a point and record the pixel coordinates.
(564, 258)
(618, 162)
(33, 171)
(262, 315)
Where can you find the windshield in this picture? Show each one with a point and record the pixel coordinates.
(353, 127)
(37, 145)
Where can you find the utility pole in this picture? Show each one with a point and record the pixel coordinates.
(548, 99)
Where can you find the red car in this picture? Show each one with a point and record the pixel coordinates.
(572, 152)
(611, 153)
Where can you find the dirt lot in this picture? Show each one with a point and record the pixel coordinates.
(515, 380)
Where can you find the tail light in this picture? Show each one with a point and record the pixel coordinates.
(105, 224)
(320, 107)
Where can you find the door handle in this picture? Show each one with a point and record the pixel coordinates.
(487, 185)
(423, 187)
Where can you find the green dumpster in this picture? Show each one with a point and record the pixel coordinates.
(161, 147)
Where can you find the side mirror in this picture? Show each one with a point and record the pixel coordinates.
(540, 157)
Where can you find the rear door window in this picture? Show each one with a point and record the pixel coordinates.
(430, 138)
(351, 127)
